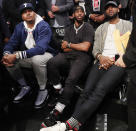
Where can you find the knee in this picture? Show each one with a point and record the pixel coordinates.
(101, 90)
(37, 62)
(13, 68)
(41, 60)
(51, 64)
(72, 79)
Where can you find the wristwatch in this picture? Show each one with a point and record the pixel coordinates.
(68, 45)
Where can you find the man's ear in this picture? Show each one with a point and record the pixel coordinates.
(120, 6)
(118, 10)
(73, 15)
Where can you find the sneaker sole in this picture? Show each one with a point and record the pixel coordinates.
(23, 98)
(42, 104)
(45, 126)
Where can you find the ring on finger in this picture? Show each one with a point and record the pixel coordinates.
(102, 65)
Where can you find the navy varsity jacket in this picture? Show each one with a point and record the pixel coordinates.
(42, 36)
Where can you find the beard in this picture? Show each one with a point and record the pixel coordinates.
(111, 17)
(79, 21)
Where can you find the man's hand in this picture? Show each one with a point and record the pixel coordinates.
(7, 64)
(6, 39)
(9, 59)
(71, 17)
(76, 1)
(99, 18)
(105, 62)
(120, 62)
(54, 8)
(51, 15)
(93, 16)
(64, 45)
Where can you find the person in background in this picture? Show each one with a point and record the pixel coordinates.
(4, 38)
(4, 31)
(80, 2)
(12, 13)
(128, 61)
(58, 18)
(95, 12)
(125, 10)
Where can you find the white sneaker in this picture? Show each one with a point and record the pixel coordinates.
(58, 127)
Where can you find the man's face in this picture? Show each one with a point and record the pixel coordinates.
(28, 15)
(112, 11)
(79, 15)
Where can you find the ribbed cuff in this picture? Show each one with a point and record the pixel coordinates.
(72, 123)
(21, 54)
(60, 107)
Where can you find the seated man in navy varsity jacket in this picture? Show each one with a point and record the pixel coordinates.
(29, 47)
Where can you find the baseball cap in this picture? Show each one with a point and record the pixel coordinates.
(25, 6)
(78, 7)
(112, 2)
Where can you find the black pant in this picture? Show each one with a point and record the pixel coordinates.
(77, 63)
(98, 84)
(132, 100)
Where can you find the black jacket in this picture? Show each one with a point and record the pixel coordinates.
(130, 55)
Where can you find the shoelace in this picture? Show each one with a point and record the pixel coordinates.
(25, 89)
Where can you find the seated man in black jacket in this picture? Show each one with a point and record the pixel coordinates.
(77, 41)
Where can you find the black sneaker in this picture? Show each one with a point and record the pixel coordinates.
(51, 119)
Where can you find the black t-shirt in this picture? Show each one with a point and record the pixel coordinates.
(84, 34)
